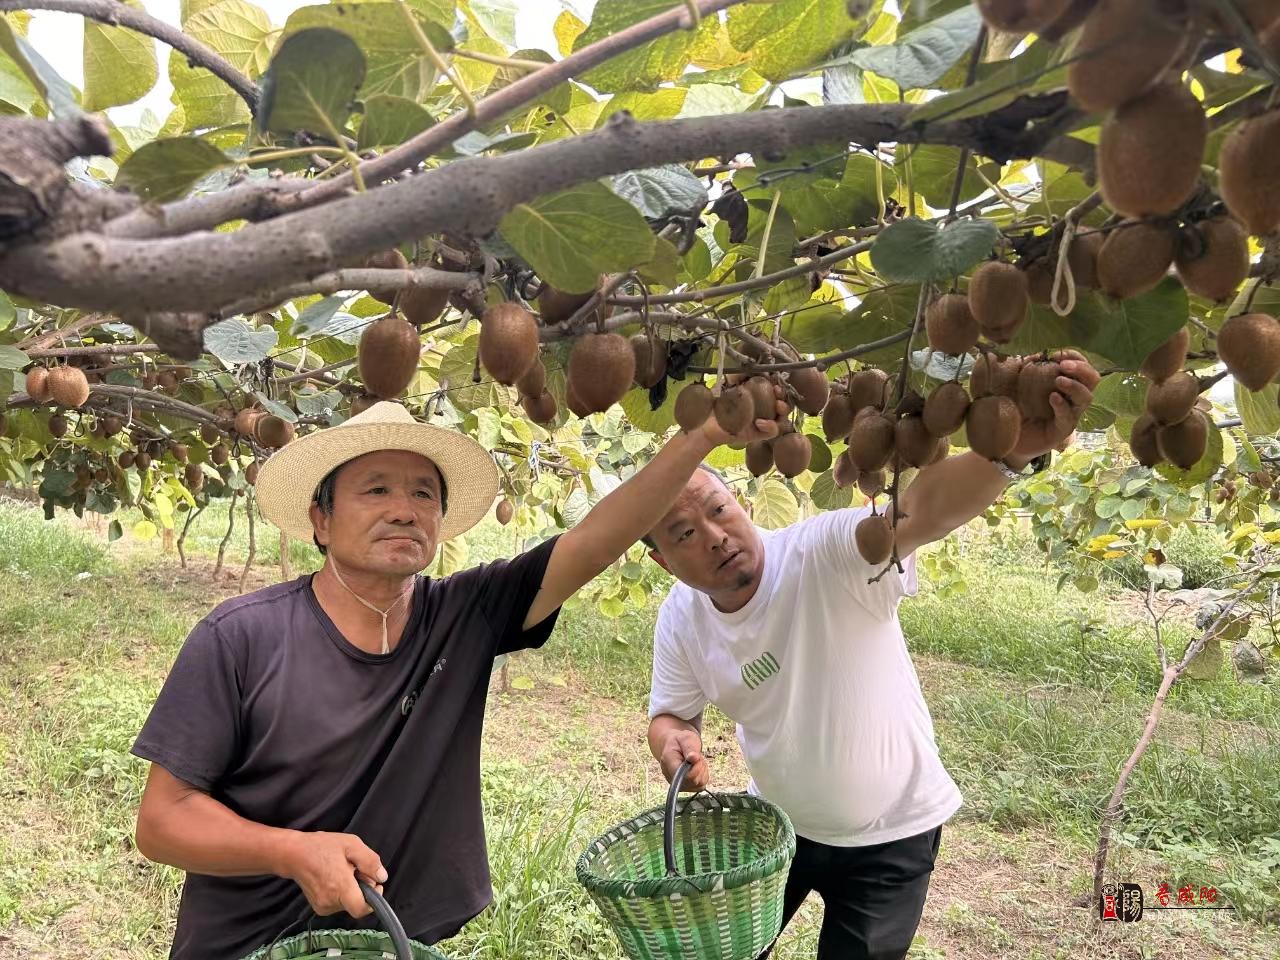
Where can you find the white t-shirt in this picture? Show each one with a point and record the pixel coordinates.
(815, 672)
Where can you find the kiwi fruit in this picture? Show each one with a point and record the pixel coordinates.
(391, 259)
(1124, 48)
(504, 511)
(844, 471)
(1142, 441)
(1082, 257)
(37, 385)
(734, 410)
(999, 300)
(871, 482)
(246, 420)
(792, 453)
(540, 409)
(693, 406)
(1134, 258)
(508, 342)
(871, 441)
(167, 382)
(869, 388)
(1036, 384)
(273, 432)
(837, 417)
(1168, 358)
(913, 444)
(362, 403)
(156, 448)
(556, 306)
(423, 305)
(1246, 173)
(812, 388)
(1021, 16)
(1040, 277)
(180, 452)
(111, 425)
(142, 461)
(764, 400)
(950, 325)
(149, 381)
(67, 386)
(1213, 258)
(58, 425)
(944, 409)
(1150, 150)
(1249, 345)
(1171, 400)
(651, 359)
(533, 381)
(601, 368)
(251, 473)
(759, 455)
(219, 454)
(388, 356)
(874, 536)
(125, 460)
(209, 433)
(1183, 443)
(992, 426)
(993, 375)
(101, 475)
(574, 402)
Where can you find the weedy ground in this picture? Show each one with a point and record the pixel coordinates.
(1037, 697)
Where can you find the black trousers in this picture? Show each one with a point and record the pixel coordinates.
(873, 896)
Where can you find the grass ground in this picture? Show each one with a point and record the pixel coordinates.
(1033, 715)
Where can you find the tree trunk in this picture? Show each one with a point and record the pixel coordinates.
(253, 545)
(231, 522)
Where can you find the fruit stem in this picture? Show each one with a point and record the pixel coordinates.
(514, 63)
(695, 15)
(270, 155)
(970, 76)
(437, 61)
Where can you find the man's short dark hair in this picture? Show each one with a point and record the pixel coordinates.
(323, 498)
(705, 468)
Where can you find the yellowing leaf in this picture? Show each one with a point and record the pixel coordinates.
(1143, 524)
(144, 530)
(567, 27)
(119, 65)
(1113, 554)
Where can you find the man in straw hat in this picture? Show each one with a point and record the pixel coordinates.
(328, 728)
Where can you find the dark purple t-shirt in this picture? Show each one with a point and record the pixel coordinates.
(274, 713)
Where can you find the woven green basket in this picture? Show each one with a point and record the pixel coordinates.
(706, 883)
(391, 944)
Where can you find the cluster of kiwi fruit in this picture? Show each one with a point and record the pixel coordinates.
(65, 385)
(263, 428)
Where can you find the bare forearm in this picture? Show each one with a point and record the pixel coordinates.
(201, 835)
(946, 496)
(663, 725)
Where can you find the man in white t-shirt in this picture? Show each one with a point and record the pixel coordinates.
(785, 632)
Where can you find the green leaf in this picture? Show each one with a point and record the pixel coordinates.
(923, 56)
(662, 104)
(164, 170)
(1004, 83)
(659, 192)
(1259, 411)
(573, 236)
(497, 18)
(649, 64)
(715, 99)
(1206, 664)
(16, 88)
(319, 403)
(635, 404)
(918, 251)
(933, 173)
(315, 317)
(11, 358)
(61, 99)
(817, 326)
(204, 100)
(455, 375)
(234, 341)
(114, 531)
(774, 505)
(119, 64)
(790, 34)
(145, 530)
(390, 121)
(612, 607)
(821, 455)
(311, 83)
(664, 266)
(1124, 394)
(1123, 332)
(243, 34)
(395, 63)
(827, 496)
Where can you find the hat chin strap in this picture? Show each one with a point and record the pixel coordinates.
(382, 613)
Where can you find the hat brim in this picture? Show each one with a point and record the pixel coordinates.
(288, 479)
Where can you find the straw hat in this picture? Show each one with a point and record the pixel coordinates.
(288, 480)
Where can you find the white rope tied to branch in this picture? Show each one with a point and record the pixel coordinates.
(1062, 275)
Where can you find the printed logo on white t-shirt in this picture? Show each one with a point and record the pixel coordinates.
(759, 670)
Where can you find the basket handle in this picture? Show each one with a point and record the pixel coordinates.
(390, 922)
(669, 822)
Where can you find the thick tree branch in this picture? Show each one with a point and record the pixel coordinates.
(101, 393)
(359, 278)
(489, 109)
(198, 276)
(118, 14)
(252, 201)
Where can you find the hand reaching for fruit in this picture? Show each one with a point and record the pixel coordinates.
(1051, 410)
